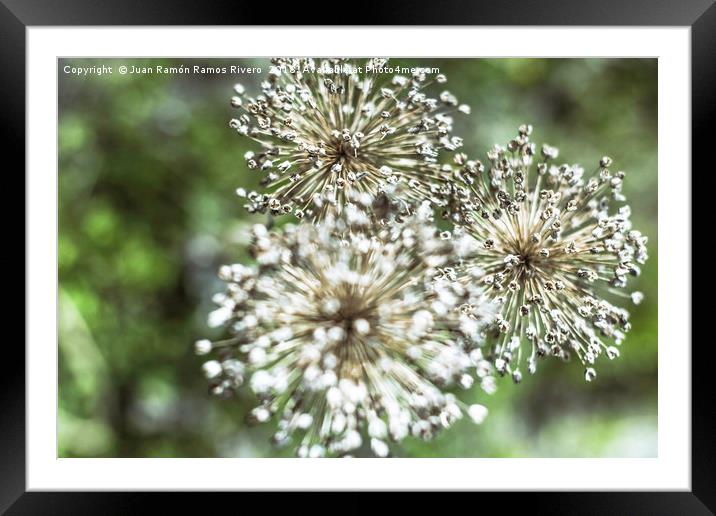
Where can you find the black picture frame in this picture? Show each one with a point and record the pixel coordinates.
(700, 15)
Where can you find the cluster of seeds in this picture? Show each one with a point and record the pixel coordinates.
(547, 245)
(351, 333)
(324, 132)
(353, 329)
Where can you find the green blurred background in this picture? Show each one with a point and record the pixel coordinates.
(147, 212)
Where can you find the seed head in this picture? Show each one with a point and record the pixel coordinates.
(547, 244)
(326, 128)
(350, 333)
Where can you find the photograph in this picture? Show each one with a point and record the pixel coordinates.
(327, 257)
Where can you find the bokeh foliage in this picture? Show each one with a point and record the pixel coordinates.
(147, 213)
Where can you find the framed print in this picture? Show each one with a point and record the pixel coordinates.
(456, 256)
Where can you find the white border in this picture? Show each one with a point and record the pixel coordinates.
(671, 470)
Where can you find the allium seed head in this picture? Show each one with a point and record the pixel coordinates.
(336, 125)
(546, 244)
(351, 334)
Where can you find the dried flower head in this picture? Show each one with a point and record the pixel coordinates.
(350, 332)
(336, 125)
(543, 241)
